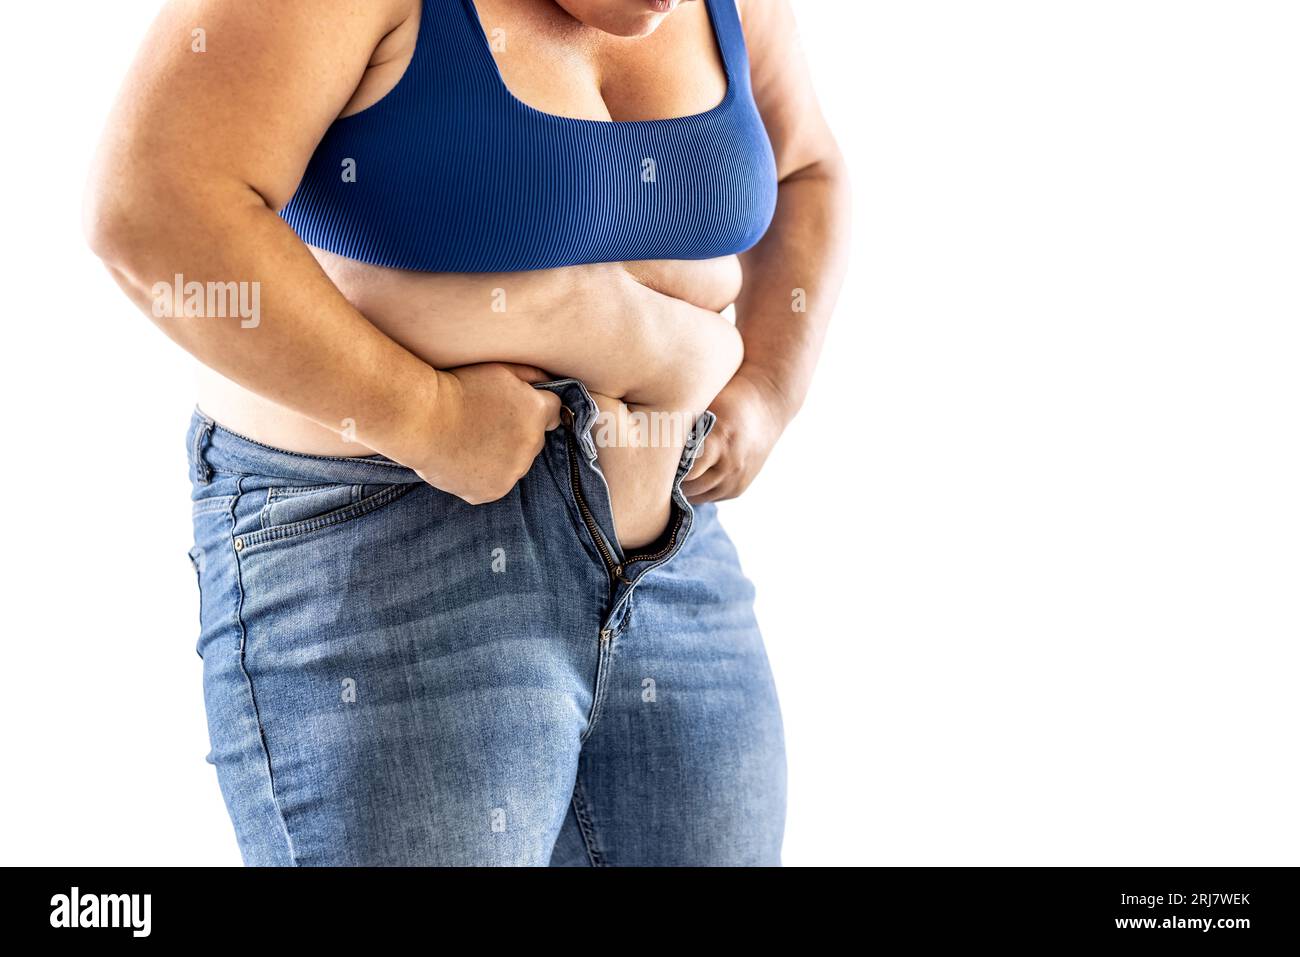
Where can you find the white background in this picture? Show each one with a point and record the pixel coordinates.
(1027, 562)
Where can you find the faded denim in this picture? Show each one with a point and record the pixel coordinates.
(395, 677)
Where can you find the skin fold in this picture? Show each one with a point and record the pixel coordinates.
(435, 370)
(642, 351)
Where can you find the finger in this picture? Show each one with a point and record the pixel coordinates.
(725, 489)
(537, 450)
(551, 407)
(719, 494)
(704, 484)
(530, 374)
(707, 458)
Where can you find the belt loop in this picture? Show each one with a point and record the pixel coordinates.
(202, 436)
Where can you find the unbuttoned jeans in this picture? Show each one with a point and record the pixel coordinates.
(395, 677)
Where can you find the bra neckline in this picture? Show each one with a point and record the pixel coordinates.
(484, 48)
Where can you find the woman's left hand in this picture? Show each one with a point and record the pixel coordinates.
(751, 418)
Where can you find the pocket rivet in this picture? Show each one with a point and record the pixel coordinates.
(239, 544)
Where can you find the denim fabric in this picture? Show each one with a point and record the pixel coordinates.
(395, 677)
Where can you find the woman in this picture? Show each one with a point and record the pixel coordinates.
(465, 598)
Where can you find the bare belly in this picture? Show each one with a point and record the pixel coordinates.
(569, 322)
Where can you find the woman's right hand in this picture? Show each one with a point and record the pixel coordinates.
(489, 426)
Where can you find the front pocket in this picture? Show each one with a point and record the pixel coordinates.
(289, 506)
(293, 511)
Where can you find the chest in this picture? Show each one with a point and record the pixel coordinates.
(557, 65)
(532, 142)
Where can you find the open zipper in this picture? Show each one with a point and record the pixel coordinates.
(612, 566)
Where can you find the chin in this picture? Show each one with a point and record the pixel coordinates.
(632, 30)
(620, 18)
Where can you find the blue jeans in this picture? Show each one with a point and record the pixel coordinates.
(393, 676)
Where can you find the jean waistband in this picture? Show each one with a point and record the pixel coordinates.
(214, 448)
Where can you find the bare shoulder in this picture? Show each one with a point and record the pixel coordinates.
(225, 91)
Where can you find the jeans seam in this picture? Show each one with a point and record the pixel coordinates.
(586, 827)
(604, 662)
(252, 697)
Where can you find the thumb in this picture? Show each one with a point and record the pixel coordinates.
(552, 403)
(530, 374)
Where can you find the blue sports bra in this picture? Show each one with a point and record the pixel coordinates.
(450, 172)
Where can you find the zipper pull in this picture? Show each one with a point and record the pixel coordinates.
(604, 636)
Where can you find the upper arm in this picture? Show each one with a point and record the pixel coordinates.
(783, 87)
(235, 95)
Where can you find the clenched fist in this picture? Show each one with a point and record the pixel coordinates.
(490, 424)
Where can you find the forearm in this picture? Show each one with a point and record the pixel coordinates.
(296, 341)
(792, 280)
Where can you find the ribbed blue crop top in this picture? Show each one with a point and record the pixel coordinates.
(450, 172)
